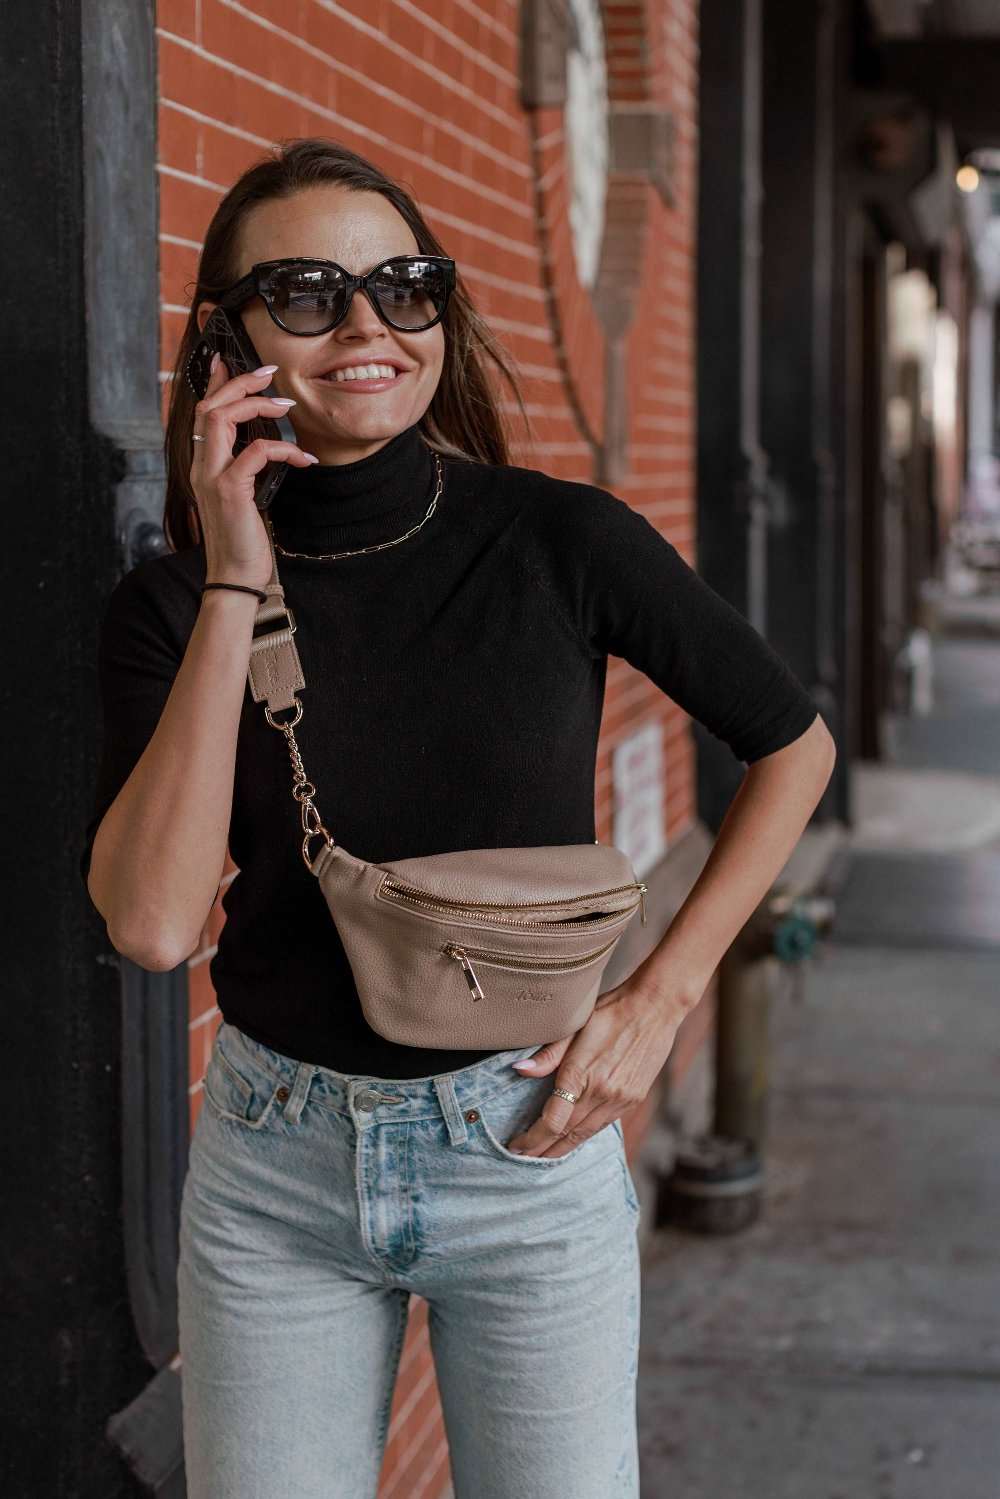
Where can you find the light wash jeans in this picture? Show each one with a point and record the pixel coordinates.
(316, 1202)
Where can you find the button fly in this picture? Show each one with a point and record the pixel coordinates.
(366, 1100)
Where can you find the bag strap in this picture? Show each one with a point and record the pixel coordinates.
(275, 671)
(275, 676)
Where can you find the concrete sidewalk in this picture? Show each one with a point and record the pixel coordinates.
(847, 1345)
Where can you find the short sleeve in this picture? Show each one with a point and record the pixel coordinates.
(637, 598)
(139, 654)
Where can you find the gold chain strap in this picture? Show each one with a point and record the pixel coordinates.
(303, 789)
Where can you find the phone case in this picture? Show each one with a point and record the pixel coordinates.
(227, 334)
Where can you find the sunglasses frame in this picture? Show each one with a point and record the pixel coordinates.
(254, 283)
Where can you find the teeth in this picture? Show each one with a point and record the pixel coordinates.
(363, 372)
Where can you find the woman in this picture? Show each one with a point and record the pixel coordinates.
(454, 616)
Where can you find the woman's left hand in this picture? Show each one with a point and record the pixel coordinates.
(610, 1063)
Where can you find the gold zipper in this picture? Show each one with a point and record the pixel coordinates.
(393, 890)
(514, 962)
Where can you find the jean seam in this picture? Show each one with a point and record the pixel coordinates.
(408, 1179)
(631, 1197)
(259, 1125)
(402, 1302)
(237, 1077)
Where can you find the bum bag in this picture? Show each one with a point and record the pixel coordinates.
(483, 948)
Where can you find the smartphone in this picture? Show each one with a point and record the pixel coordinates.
(226, 334)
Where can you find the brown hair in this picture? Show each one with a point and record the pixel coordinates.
(464, 418)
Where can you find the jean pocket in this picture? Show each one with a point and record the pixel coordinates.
(628, 1181)
(237, 1089)
(511, 1112)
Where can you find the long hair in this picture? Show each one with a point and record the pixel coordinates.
(464, 418)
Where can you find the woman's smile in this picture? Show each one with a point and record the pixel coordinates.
(353, 382)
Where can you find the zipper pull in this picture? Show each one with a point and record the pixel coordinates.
(642, 903)
(467, 969)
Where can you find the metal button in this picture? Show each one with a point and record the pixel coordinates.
(472, 1116)
(283, 1094)
(366, 1100)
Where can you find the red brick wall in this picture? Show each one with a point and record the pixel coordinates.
(444, 116)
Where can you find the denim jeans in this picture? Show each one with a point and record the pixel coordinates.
(317, 1201)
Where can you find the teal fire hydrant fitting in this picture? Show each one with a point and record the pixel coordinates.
(784, 930)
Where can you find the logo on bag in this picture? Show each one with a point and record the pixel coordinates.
(534, 994)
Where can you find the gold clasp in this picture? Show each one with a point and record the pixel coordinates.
(291, 722)
(312, 834)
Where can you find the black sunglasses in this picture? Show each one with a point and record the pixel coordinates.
(306, 296)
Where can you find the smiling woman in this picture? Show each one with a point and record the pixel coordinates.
(455, 613)
(315, 202)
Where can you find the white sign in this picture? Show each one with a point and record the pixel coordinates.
(637, 777)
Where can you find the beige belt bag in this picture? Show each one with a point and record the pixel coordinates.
(484, 948)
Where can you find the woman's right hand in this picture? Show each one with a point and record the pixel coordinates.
(236, 545)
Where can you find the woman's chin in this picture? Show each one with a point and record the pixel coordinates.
(332, 444)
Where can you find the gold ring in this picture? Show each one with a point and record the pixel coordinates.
(565, 1093)
(197, 437)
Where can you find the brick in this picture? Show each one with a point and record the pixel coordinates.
(185, 207)
(178, 16)
(179, 143)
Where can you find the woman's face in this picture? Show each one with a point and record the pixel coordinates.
(336, 420)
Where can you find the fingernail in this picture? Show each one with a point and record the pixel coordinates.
(312, 457)
(265, 369)
(215, 363)
(528, 1062)
(284, 401)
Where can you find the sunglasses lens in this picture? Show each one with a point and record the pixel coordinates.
(411, 293)
(307, 299)
(310, 298)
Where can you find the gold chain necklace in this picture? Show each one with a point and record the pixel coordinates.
(379, 545)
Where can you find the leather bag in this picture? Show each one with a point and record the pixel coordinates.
(483, 948)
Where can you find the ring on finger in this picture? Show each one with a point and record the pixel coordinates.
(565, 1093)
(198, 437)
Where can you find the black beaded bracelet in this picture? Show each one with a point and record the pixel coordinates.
(240, 588)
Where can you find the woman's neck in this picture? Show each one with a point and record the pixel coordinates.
(345, 505)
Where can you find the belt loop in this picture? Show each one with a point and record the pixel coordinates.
(454, 1118)
(304, 1074)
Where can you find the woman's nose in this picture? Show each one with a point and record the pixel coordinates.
(361, 316)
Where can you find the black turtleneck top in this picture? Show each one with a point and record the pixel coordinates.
(454, 692)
